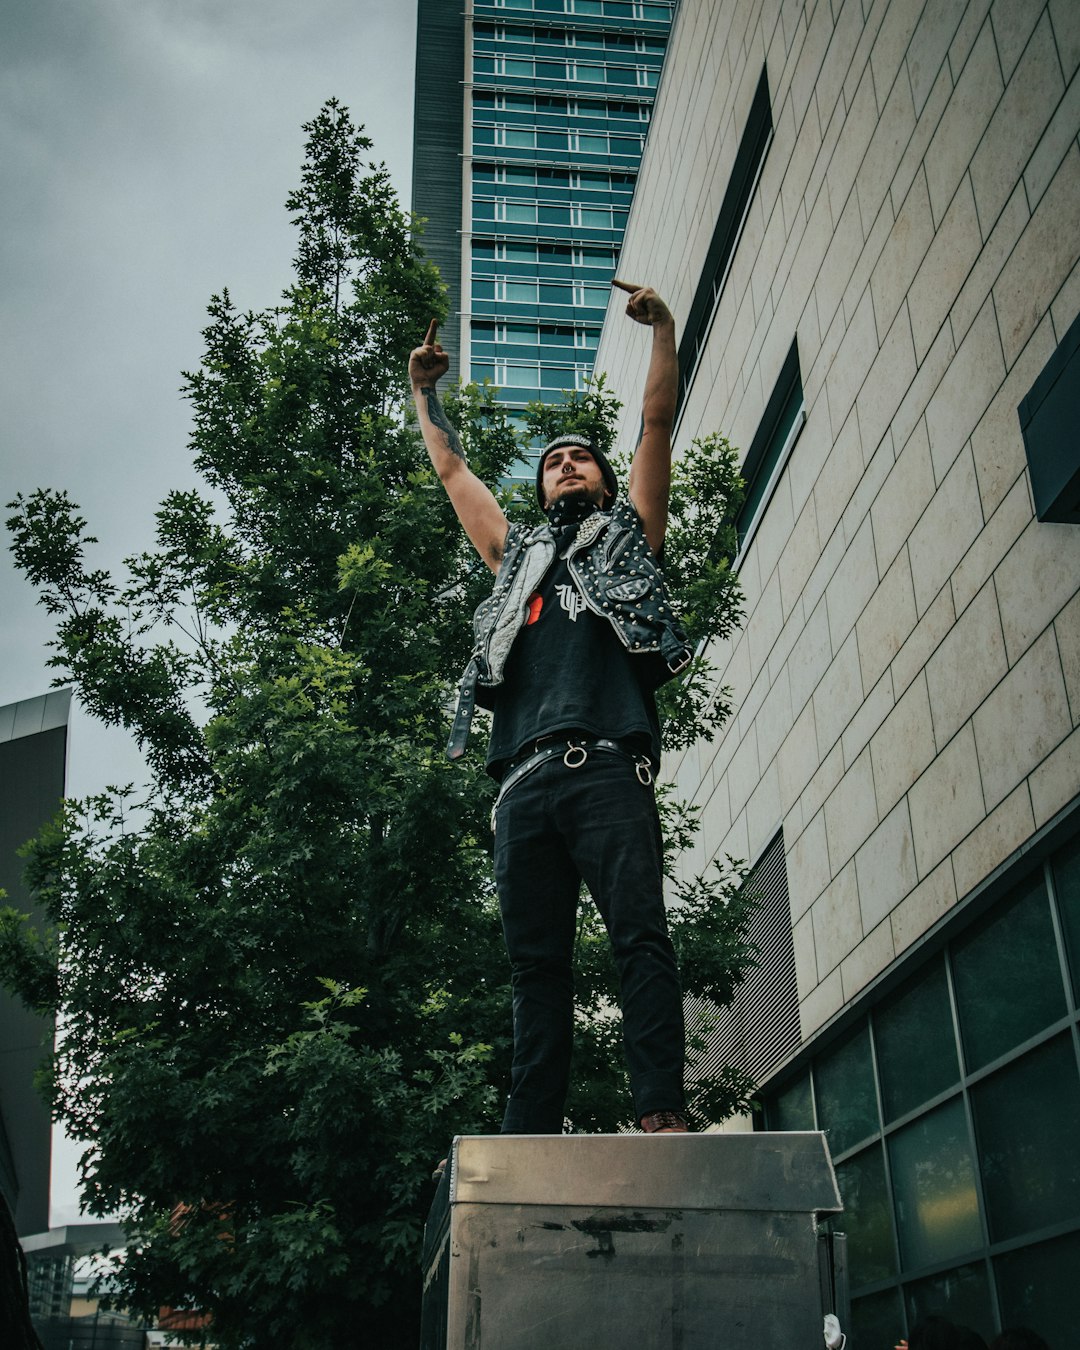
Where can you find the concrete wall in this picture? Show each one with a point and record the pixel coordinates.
(908, 677)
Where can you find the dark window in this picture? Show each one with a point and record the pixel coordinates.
(1048, 419)
(916, 1044)
(964, 1200)
(776, 434)
(744, 175)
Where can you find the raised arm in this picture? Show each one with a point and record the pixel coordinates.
(480, 514)
(649, 486)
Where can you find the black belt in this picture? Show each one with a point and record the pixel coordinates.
(574, 751)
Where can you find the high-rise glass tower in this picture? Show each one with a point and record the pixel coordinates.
(530, 121)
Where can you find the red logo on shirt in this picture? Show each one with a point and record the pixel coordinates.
(536, 604)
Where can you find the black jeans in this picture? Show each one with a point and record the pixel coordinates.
(557, 828)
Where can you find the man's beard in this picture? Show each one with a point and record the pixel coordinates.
(592, 493)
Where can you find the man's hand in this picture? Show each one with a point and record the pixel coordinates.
(649, 484)
(644, 305)
(428, 362)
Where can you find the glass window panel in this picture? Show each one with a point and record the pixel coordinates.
(846, 1100)
(556, 295)
(916, 1047)
(867, 1219)
(593, 145)
(792, 1109)
(520, 377)
(519, 137)
(1037, 1288)
(555, 377)
(521, 213)
(962, 1296)
(516, 67)
(521, 292)
(1066, 866)
(481, 372)
(1027, 1123)
(875, 1320)
(933, 1176)
(597, 220)
(1011, 953)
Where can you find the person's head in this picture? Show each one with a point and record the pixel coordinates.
(571, 467)
(1018, 1338)
(938, 1333)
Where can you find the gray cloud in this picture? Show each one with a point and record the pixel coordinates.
(146, 149)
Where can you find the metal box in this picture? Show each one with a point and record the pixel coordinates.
(604, 1242)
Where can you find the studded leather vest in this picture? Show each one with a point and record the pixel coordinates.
(617, 576)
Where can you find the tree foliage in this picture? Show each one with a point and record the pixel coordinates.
(279, 971)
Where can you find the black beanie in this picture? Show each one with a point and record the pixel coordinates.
(576, 438)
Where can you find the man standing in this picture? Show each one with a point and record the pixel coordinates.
(570, 646)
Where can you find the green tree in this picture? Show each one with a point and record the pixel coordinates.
(278, 972)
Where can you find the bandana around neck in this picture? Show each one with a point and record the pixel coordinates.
(570, 510)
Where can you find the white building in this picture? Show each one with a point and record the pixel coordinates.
(866, 218)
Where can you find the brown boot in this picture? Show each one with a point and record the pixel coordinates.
(664, 1122)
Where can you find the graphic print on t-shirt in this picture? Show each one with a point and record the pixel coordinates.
(568, 669)
(570, 599)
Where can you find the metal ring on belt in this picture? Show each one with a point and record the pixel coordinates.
(574, 752)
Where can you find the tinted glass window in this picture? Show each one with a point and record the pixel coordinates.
(933, 1176)
(866, 1219)
(916, 1045)
(1006, 976)
(1027, 1123)
(1066, 867)
(793, 1108)
(846, 1099)
(961, 1295)
(1037, 1288)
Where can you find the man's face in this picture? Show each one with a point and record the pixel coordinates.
(571, 470)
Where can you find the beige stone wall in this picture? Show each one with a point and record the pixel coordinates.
(908, 677)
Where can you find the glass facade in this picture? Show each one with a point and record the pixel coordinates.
(952, 1109)
(560, 98)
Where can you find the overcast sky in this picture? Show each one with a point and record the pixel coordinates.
(146, 150)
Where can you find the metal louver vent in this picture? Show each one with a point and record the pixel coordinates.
(761, 1026)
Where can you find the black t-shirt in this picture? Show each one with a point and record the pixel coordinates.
(568, 671)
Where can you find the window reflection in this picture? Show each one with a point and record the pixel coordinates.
(1027, 1121)
(866, 1219)
(846, 1100)
(933, 1173)
(916, 1047)
(1007, 976)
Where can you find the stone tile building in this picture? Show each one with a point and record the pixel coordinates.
(866, 217)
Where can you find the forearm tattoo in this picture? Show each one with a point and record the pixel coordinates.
(439, 419)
